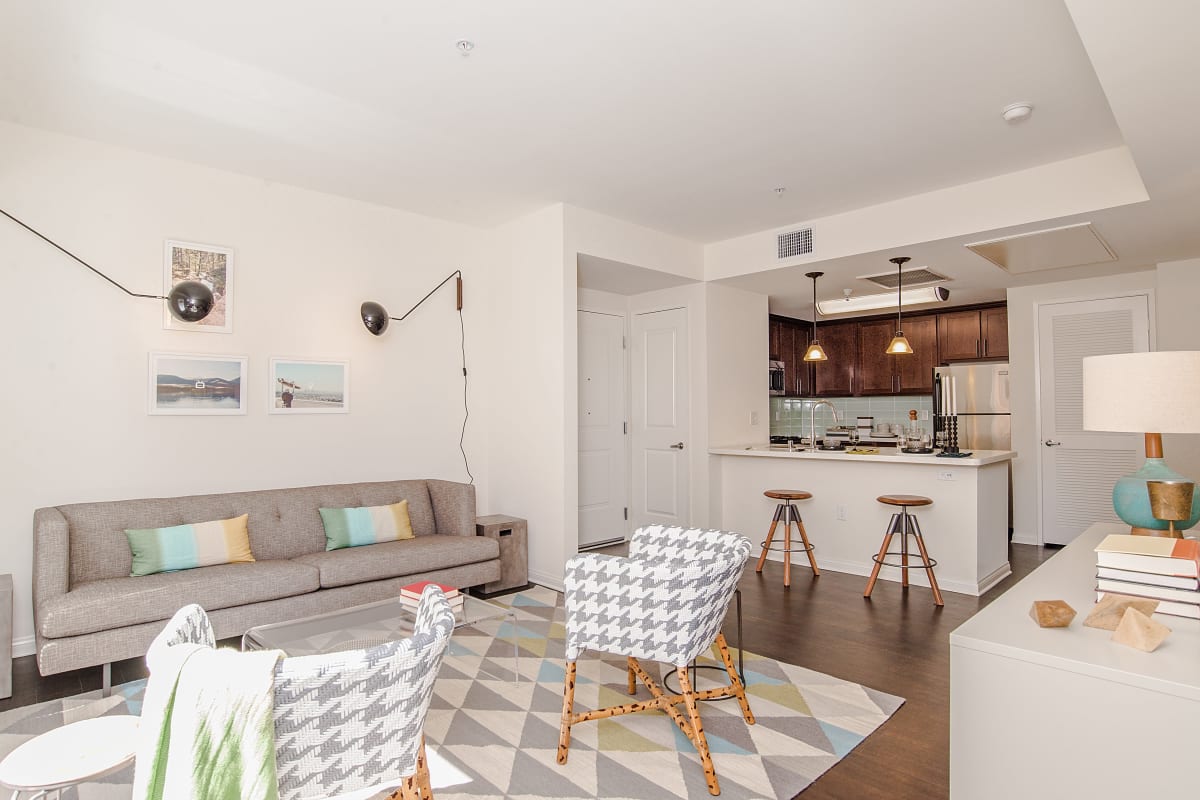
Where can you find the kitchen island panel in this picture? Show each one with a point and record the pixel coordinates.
(965, 529)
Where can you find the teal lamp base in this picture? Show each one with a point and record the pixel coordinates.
(1131, 501)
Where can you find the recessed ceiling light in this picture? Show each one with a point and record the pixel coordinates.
(465, 46)
(1017, 112)
(779, 190)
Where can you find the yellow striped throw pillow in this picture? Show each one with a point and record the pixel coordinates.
(200, 544)
(351, 527)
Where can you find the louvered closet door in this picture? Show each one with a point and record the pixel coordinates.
(1079, 467)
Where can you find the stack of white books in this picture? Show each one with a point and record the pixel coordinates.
(410, 596)
(1167, 570)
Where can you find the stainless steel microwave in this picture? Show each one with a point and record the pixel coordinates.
(776, 377)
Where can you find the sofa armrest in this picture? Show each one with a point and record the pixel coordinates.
(51, 556)
(453, 507)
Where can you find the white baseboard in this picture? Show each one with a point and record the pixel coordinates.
(554, 582)
(25, 646)
(1025, 538)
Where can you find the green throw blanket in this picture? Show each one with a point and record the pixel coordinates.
(207, 729)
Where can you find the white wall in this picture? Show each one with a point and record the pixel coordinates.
(1103, 179)
(738, 344)
(75, 411)
(616, 240)
(532, 339)
(1022, 319)
(1179, 329)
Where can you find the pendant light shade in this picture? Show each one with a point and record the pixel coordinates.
(899, 345)
(815, 352)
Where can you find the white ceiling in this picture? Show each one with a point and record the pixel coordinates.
(678, 115)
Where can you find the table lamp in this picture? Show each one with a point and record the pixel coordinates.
(1150, 393)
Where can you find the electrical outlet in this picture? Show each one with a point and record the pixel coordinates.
(753, 417)
(840, 512)
(946, 476)
(924, 415)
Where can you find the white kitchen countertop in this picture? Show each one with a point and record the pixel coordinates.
(978, 458)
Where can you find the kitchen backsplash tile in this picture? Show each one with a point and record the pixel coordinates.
(789, 415)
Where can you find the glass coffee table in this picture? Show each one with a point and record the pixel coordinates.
(366, 626)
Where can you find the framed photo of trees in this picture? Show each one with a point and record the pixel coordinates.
(207, 264)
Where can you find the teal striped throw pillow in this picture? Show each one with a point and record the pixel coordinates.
(351, 527)
(200, 544)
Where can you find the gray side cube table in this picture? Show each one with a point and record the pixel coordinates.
(513, 535)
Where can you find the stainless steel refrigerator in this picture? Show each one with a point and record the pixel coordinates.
(984, 406)
(984, 410)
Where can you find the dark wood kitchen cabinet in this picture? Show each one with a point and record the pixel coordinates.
(973, 334)
(836, 377)
(993, 323)
(789, 341)
(880, 373)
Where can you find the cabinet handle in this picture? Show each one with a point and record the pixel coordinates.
(985, 347)
(977, 348)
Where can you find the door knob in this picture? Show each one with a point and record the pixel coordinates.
(1049, 443)
(677, 446)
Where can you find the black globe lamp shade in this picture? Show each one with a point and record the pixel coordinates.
(374, 316)
(190, 301)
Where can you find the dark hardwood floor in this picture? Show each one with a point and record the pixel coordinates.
(896, 642)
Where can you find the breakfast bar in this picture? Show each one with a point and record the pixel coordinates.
(966, 527)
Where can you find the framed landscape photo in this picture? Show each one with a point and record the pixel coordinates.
(197, 384)
(207, 264)
(301, 386)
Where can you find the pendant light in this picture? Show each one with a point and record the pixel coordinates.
(814, 351)
(899, 345)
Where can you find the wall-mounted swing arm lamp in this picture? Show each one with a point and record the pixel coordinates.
(376, 318)
(189, 301)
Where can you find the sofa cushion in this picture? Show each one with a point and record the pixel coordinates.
(354, 527)
(395, 559)
(117, 602)
(198, 544)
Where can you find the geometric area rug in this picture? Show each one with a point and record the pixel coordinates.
(491, 737)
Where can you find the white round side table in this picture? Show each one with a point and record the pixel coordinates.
(70, 755)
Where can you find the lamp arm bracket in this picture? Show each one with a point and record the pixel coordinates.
(456, 274)
(62, 249)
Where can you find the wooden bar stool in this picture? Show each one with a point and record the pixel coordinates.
(787, 512)
(906, 525)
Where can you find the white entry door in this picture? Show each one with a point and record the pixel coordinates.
(1078, 467)
(660, 418)
(603, 457)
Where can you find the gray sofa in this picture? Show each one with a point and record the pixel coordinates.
(88, 611)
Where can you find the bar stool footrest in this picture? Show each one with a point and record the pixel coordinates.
(778, 549)
(919, 564)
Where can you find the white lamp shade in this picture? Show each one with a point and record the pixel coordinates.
(1142, 392)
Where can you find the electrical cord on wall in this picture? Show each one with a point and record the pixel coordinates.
(462, 330)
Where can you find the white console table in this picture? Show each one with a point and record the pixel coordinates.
(1064, 712)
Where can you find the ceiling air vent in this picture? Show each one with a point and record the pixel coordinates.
(920, 276)
(795, 243)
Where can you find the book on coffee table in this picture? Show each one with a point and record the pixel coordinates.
(410, 595)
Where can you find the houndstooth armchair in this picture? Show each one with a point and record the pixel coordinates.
(350, 721)
(665, 602)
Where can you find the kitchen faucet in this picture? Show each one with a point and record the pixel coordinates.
(812, 421)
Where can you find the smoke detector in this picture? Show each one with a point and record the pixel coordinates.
(1017, 112)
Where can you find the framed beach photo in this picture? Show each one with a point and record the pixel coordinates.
(309, 387)
(197, 384)
(207, 264)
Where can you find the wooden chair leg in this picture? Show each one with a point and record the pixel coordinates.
(423, 781)
(812, 561)
(787, 545)
(887, 542)
(632, 678)
(762, 558)
(933, 584)
(564, 731)
(698, 738)
(735, 680)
